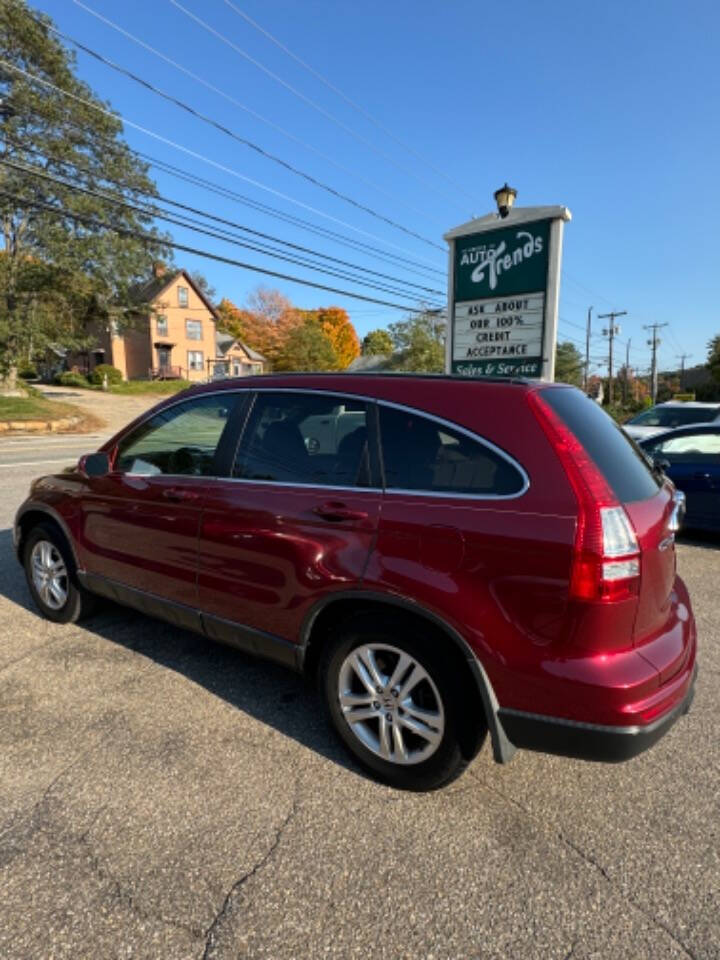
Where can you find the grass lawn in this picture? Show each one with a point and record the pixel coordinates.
(34, 407)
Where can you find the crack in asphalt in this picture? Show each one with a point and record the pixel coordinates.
(227, 902)
(591, 861)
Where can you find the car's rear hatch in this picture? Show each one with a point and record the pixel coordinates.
(628, 484)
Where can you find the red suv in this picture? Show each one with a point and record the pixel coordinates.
(449, 557)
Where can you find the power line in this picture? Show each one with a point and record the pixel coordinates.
(154, 240)
(224, 221)
(243, 140)
(241, 106)
(385, 256)
(193, 153)
(301, 96)
(211, 186)
(344, 96)
(189, 224)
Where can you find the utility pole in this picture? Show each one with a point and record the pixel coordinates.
(626, 390)
(654, 343)
(682, 357)
(587, 349)
(610, 332)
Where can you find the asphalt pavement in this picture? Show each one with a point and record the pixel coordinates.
(163, 797)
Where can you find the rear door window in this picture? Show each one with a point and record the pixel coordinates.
(306, 439)
(422, 454)
(619, 460)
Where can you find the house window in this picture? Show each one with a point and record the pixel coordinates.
(182, 296)
(195, 359)
(236, 369)
(162, 327)
(193, 329)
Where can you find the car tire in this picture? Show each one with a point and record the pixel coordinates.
(52, 577)
(362, 675)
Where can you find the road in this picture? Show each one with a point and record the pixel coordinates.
(162, 797)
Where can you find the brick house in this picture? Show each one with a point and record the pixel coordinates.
(175, 339)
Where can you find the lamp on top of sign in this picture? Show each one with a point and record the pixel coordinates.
(503, 291)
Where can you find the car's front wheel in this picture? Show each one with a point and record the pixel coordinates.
(392, 698)
(50, 573)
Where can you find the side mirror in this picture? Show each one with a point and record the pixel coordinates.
(94, 465)
(661, 464)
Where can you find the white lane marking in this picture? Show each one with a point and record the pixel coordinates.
(36, 463)
(28, 442)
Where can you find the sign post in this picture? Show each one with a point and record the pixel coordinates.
(503, 293)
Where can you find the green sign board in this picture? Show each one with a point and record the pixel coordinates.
(499, 300)
(501, 262)
(503, 293)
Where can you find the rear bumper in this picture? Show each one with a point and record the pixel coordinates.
(589, 741)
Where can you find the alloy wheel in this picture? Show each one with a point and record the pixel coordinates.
(49, 574)
(390, 703)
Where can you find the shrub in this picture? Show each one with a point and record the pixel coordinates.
(106, 370)
(28, 373)
(70, 379)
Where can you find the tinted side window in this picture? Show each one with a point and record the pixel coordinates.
(619, 460)
(421, 454)
(305, 439)
(181, 439)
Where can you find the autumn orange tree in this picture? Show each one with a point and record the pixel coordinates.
(265, 323)
(289, 338)
(337, 327)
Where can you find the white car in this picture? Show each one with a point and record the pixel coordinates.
(668, 416)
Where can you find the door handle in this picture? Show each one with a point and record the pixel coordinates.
(701, 476)
(336, 512)
(180, 494)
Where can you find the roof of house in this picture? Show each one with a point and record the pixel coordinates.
(152, 288)
(224, 342)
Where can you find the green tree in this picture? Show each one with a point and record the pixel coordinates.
(377, 343)
(569, 364)
(714, 358)
(419, 342)
(60, 276)
(202, 282)
(306, 348)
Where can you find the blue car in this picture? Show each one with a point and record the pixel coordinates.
(690, 456)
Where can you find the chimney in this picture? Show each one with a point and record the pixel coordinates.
(158, 269)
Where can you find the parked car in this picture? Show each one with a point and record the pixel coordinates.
(668, 416)
(691, 458)
(448, 557)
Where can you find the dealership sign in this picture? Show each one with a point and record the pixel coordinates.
(503, 294)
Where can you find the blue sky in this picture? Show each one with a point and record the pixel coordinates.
(610, 109)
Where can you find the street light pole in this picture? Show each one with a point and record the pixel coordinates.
(654, 343)
(611, 332)
(682, 358)
(587, 348)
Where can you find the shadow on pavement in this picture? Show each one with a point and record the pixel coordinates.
(700, 538)
(275, 696)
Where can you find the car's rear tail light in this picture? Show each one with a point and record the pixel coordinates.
(606, 559)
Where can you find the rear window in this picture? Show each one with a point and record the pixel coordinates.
(426, 455)
(619, 460)
(675, 416)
